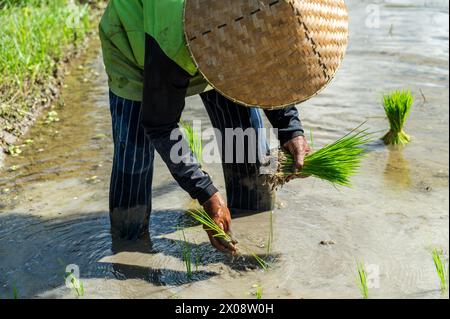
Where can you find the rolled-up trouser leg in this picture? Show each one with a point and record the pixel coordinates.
(132, 172)
(246, 188)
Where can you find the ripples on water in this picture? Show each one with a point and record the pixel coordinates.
(53, 207)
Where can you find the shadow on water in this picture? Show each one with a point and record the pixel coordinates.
(54, 178)
(38, 250)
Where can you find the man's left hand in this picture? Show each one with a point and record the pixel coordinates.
(217, 209)
(299, 148)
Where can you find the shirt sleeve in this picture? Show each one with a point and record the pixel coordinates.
(288, 123)
(165, 87)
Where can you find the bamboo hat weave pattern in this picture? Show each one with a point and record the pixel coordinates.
(267, 53)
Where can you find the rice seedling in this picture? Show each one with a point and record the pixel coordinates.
(198, 257)
(335, 163)
(441, 270)
(194, 141)
(193, 204)
(203, 218)
(397, 106)
(15, 293)
(259, 292)
(76, 284)
(362, 280)
(187, 255)
(261, 262)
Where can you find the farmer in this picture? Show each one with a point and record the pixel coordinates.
(151, 71)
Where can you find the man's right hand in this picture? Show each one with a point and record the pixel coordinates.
(218, 210)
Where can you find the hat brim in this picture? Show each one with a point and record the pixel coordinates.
(267, 53)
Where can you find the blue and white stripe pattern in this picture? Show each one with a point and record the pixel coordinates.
(132, 172)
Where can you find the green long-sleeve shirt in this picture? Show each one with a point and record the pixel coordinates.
(122, 32)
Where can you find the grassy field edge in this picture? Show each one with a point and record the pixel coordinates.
(33, 68)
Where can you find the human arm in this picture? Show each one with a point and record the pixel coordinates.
(290, 133)
(165, 87)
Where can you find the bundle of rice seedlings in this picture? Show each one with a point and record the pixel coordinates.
(335, 163)
(194, 141)
(397, 106)
(201, 216)
(362, 280)
(441, 270)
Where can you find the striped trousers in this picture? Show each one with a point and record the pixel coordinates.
(132, 172)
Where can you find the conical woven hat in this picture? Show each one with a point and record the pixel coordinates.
(267, 53)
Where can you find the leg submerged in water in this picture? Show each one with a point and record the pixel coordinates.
(132, 172)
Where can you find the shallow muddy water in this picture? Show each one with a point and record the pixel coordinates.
(54, 198)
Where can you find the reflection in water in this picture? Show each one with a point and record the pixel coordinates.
(34, 252)
(397, 171)
(53, 204)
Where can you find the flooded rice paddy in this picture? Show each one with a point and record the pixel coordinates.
(54, 197)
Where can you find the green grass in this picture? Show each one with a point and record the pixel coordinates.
(362, 280)
(335, 163)
(17, 3)
(35, 38)
(203, 218)
(441, 270)
(397, 106)
(194, 141)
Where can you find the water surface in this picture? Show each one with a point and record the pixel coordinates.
(54, 202)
